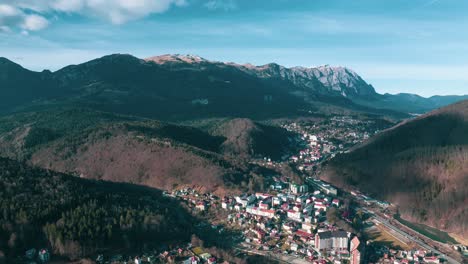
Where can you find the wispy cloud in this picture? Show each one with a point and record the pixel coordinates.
(31, 14)
(225, 5)
(431, 2)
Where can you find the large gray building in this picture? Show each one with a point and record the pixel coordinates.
(336, 240)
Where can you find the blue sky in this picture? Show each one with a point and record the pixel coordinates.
(415, 46)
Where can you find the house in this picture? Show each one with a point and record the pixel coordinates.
(224, 205)
(336, 202)
(297, 207)
(201, 206)
(262, 195)
(304, 235)
(294, 247)
(238, 207)
(260, 211)
(288, 227)
(308, 227)
(431, 259)
(295, 215)
(245, 200)
(227, 204)
(320, 206)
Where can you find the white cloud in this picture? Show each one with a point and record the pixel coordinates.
(68, 5)
(34, 23)
(121, 11)
(8, 11)
(31, 14)
(13, 17)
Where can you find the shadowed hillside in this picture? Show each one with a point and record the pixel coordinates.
(75, 217)
(246, 138)
(421, 165)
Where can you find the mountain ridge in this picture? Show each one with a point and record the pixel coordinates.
(122, 81)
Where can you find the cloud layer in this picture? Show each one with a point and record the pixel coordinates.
(31, 15)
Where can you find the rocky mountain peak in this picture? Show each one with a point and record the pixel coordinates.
(176, 58)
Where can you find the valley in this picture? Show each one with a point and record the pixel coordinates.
(264, 160)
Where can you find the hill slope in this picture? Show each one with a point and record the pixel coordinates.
(75, 217)
(421, 165)
(120, 148)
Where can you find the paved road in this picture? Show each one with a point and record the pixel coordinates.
(410, 237)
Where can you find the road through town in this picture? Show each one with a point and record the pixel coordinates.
(416, 240)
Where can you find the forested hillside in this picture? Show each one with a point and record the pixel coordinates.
(420, 165)
(100, 145)
(75, 217)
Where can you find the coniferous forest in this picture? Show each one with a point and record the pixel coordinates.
(74, 217)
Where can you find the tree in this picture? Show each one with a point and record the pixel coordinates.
(332, 215)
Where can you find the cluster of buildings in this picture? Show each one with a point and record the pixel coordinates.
(292, 221)
(183, 254)
(199, 257)
(195, 199)
(409, 256)
(325, 139)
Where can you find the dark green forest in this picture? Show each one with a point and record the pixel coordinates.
(74, 217)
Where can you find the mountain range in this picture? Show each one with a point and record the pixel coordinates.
(176, 120)
(324, 80)
(178, 87)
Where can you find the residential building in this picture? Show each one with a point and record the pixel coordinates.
(328, 240)
(354, 251)
(298, 188)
